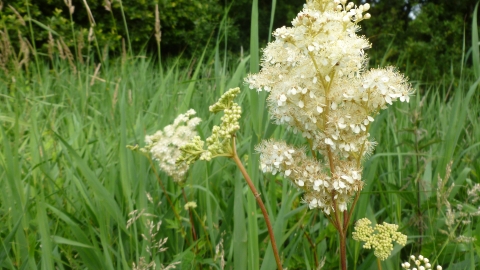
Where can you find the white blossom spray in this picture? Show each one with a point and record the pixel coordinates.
(318, 84)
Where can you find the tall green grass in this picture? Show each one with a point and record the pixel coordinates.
(70, 184)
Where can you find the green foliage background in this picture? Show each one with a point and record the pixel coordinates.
(431, 41)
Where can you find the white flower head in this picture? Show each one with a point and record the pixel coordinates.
(420, 262)
(165, 144)
(318, 84)
(315, 74)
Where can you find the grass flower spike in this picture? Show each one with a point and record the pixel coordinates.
(165, 144)
(379, 237)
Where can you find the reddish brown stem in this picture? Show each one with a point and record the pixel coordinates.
(260, 204)
(350, 214)
(342, 234)
(343, 250)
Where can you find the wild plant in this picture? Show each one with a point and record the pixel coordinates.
(318, 85)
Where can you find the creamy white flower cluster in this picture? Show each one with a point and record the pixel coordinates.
(420, 263)
(219, 143)
(165, 144)
(315, 74)
(379, 237)
(321, 190)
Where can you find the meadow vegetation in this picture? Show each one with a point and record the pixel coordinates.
(74, 196)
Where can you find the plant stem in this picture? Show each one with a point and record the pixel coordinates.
(342, 234)
(379, 264)
(259, 201)
(343, 249)
(350, 214)
(194, 234)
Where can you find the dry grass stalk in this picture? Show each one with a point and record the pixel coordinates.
(107, 5)
(220, 254)
(5, 50)
(91, 35)
(24, 52)
(158, 32)
(19, 17)
(71, 8)
(94, 77)
(69, 56)
(80, 46)
(50, 45)
(89, 12)
(61, 54)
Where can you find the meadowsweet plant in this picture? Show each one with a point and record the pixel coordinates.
(164, 146)
(318, 84)
(222, 143)
(379, 237)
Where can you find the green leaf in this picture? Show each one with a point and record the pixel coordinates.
(60, 240)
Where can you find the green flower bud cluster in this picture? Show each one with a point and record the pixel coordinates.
(379, 238)
(225, 101)
(220, 142)
(191, 151)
